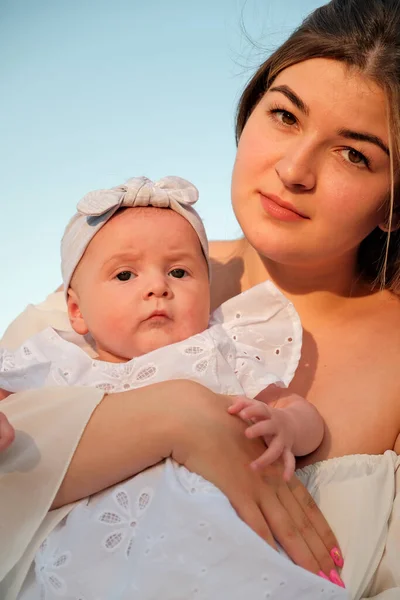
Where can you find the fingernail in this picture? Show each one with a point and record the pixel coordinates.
(322, 574)
(334, 577)
(337, 557)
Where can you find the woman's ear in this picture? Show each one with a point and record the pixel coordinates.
(75, 316)
(395, 225)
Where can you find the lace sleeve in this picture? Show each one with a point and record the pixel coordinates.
(266, 333)
(21, 370)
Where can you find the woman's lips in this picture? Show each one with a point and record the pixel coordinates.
(279, 209)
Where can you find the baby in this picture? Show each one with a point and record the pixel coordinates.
(136, 275)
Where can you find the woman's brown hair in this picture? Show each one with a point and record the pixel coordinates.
(365, 35)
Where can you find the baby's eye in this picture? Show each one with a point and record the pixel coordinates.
(178, 273)
(125, 275)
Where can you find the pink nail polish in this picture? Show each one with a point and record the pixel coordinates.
(334, 577)
(322, 574)
(337, 557)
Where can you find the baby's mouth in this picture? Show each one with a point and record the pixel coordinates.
(157, 317)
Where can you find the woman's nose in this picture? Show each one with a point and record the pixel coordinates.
(296, 170)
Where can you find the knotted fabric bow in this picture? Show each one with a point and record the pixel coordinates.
(96, 208)
(139, 191)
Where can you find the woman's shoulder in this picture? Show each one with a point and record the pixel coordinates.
(226, 259)
(375, 317)
(385, 330)
(385, 312)
(386, 338)
(382, 327)
(50, 313)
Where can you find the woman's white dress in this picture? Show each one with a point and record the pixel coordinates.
(167, 534)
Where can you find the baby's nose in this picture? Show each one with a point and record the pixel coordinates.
(158, 288)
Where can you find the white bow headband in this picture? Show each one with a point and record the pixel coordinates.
(96, 208)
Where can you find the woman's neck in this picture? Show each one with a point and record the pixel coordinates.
(314, 290)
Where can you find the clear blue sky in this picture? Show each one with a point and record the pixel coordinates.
(93, 92)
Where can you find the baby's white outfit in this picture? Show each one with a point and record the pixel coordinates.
(168, 534)
(253, 340)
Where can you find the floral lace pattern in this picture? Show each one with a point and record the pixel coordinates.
(168, 533)
(50, 567)
(165, 534)
(123, 519)
(7, 360)
(253, 340)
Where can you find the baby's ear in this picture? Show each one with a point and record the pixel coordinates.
(75, 316)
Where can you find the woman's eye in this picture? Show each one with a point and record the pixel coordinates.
(125, 275)
(178, 273)
(284, 116)
(356, 158)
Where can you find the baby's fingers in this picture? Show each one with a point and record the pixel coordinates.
(255, 412)
(7, 433)
(240, 403)
(268, 457)
(289, 462)
(262, 428)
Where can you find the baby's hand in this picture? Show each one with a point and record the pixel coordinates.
(274, 426)
(4, 394)
(7, 433)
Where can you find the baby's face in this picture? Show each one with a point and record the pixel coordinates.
(141, 284)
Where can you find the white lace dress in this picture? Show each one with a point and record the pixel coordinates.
(167, 534)
(253, 340)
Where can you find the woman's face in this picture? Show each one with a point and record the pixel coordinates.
(312, 170)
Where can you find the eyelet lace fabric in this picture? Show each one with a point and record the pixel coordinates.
(253, 340)
(167, 533)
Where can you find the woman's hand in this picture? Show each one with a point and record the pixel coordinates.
(133, 430)
(213, 444)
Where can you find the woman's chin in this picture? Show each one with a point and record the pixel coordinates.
(281, 246)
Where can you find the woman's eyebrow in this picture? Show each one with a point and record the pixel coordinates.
(347, 133)
(364, 137)
(292, 96)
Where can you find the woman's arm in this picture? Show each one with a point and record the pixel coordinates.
(133, 430)
(127, 433)
(103, 442)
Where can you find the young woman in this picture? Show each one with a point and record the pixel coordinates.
(314, 189)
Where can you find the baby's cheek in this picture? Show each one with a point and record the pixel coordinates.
(196, 320)
(110, 325)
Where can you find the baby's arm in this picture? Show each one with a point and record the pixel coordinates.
(289, 424)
